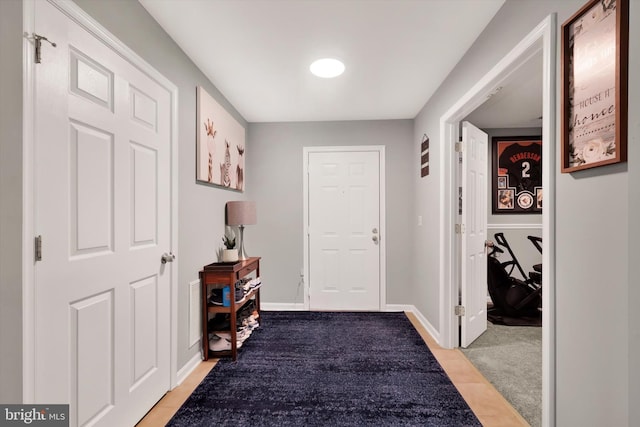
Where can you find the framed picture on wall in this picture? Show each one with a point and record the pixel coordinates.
(220, 145)
(424, 156)
(594, 61)
(516, 174)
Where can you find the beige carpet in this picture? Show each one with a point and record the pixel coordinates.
(510, 357)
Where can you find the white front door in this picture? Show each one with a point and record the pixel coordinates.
(102, 297)
(344, 230)
(474, 233)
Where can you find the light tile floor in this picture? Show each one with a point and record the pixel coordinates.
(162, 412)
(489, 406)
(485, 401)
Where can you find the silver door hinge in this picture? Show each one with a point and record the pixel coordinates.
(459, 147)
(38, 248)
(38, 45)
(459, 228)
(459, 310)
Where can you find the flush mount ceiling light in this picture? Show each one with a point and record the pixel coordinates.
(327, 68)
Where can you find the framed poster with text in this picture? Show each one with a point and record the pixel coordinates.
(516, 174)
(594, 61)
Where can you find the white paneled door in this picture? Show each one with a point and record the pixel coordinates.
(344, 230)
(102, 295)
(474, 233)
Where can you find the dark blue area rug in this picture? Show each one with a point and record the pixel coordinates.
(328, 369)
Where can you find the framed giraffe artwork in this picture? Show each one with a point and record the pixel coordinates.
(220, 145)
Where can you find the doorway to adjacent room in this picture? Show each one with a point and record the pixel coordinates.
(541, 40)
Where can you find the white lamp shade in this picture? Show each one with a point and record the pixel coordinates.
(241, 213)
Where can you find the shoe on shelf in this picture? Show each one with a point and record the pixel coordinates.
(250, 322)
(219, 344)
(241, 335)
(224, 335)
(220, 322)
(253, 322)
(215, 297)
(255, 283)
(239, 295)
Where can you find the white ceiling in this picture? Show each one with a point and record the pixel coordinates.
(258, 52)
(517, 102)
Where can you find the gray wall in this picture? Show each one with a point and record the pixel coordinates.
(10, 201)
(274, 180)
(633, 193)
(597, 331)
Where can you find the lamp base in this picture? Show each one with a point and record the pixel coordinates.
(242, 254)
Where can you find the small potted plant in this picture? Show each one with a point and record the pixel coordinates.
(230, 254)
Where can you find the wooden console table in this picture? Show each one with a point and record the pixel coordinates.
(219, 275)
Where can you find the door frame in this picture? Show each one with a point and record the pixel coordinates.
(542, 38)
(80, 17)
(380, 149)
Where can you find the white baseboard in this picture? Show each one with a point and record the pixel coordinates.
(398, 307)
(188, 368)
(425, 323)
(275, 306)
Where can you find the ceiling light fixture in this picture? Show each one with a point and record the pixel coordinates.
(327, 68)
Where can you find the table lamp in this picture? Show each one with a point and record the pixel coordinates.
(241, 213)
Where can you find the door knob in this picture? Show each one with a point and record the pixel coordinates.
(167, 257)
(375, 239)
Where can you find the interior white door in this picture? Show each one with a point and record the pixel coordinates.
(344, 230)
(474, 233)
(102, 296)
